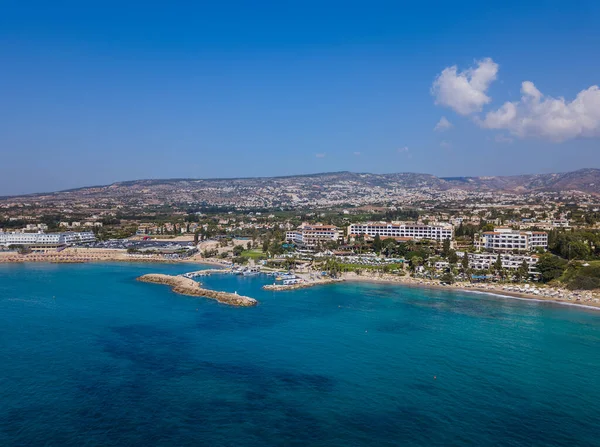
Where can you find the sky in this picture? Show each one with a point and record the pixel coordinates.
(97, 92)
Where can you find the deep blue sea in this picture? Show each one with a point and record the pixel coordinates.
(89, 356)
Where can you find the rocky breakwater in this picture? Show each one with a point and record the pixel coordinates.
(187, 286)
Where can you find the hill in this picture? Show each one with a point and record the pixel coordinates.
(317, 189)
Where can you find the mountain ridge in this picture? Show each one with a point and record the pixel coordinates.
(586, 180)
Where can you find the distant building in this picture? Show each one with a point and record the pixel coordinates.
(507, 239)
(44, 241)
(35, 227)
(560, 223)
(400, 230)
(311, 236)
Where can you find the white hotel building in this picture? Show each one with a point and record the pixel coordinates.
(42, 241)
(311, 236)
(484, 261)
(401, 230)
(506, 239)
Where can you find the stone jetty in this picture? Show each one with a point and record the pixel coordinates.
(301, 285)
(206, 272)
(187, 286)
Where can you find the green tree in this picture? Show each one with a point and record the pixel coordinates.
(377, 244)
(465, 263)
(447, 278)
(523, 270)
(415, 262)
(550, 267)
(446, 248)
(452, 257)
(487, 227)
(498, 267)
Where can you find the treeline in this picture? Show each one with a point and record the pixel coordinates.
(575, 244)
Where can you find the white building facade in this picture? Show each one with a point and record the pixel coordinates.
(484, 261)
(45, 240)
(312, 236)
(506, 239)
(400, 230)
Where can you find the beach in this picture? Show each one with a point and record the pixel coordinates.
(75, 255)
(537, 292)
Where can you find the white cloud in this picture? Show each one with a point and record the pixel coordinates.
(321, 155)
(465, 92)
(357, 153)
(442, 125)
(555, 119)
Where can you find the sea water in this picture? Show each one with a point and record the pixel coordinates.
(89, 356)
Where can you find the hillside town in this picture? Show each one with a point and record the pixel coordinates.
(452, 236)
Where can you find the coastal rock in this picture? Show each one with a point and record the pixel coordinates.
(186, 286)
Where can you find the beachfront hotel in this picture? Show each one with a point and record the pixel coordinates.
(484, 261)
(401, 230)
(311, 236)
(44, 241)
(507, 239)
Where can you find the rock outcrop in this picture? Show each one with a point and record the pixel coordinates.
(186, 286)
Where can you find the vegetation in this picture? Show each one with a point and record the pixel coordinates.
(551, 267)
(582, 276)
(576, 244)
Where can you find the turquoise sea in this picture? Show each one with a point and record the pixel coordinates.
(89, 356)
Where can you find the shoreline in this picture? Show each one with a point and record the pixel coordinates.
(80, 256)
(74, 257)
(490, 290)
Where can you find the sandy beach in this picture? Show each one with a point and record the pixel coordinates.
(536, 292)
(76, 255)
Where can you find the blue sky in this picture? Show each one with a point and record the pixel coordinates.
(128, 90)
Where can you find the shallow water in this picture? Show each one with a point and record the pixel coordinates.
(89, 356)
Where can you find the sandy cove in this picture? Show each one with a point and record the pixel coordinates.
(189, 287)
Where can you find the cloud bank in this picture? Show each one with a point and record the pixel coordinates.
(554, 119)
(535, 115)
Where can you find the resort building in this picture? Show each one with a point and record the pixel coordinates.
(507, 239)
(311, 236)
(401, 230)
(35, 227)
(484, 261)
(43, 241)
